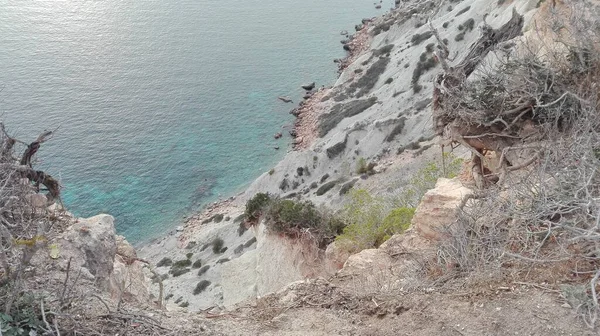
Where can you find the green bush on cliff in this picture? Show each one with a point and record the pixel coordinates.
(255, 206)
(217, 245)
(373, 220)
(370, 222)
(425, 179)
(201, 286)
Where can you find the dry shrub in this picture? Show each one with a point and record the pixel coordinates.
(539, 112)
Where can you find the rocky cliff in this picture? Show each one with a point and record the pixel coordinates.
(219, 275)
(379, 111)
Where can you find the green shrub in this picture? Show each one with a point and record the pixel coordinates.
(201, 286)
(184, 304)
(367, 81)
(426, 178)
(385, 50)
(462, 11)
(362, 167)
(165, 262)
(255, 206)
(364, 214)
(295, 218)
(197, 264)
(189, 255)
(337, 149)
(217, 245)
(242, 229)
(397, 221)
(272, 171)
(418, 38)
(250, 242)
(23, 318)
(339, 112)
(326, 187)
(218, 218)
(372, 220)
(179, 271)
(389, 80)
(203, 269)
(182, 263)
(347, 186)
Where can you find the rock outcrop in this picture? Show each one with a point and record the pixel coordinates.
(438, 208)
(276, 262)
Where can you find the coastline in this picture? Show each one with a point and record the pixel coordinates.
(304, 132)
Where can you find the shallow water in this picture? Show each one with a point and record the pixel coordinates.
(162, 105)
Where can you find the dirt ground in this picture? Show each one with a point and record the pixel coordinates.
(319, 308)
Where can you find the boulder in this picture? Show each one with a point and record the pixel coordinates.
(367, 261)
(278, 135)
(438, 208)
(309, 87)
(125, 250)
(92, 245)
(336, 256)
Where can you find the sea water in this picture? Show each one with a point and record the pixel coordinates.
(161, 106)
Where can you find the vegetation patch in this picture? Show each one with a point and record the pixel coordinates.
(396, 130)
(182, 263)
(197, 264)
(362, 167)
(250, 242)
(366, 82)
(427, 61)
(201, 286)
(165, 262)
(242, 229)
(217, 245)
(203, 269)
(341, 111)
(255, 206)
(337, 149)
(419, 38)
(179, 271)
(326, 187)
(346, 187)
(463, 11)
(383, 51)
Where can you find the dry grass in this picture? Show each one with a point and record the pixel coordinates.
(539, 214)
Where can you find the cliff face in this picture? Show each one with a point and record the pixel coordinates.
(378, 110)
(91, 251)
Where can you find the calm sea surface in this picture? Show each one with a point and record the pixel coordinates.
(164, 105)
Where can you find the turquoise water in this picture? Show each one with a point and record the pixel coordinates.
(161, 105)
